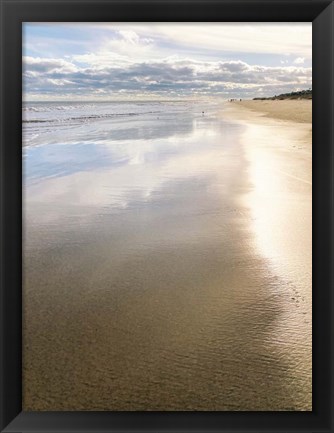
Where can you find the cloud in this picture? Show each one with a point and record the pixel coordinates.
(299, 60)
(102, 59)
(184, 77)
(268, 38)
(45, 65)
(164, 39)
(124, 47)
(58, 82)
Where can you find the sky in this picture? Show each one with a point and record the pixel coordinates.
(145, 61)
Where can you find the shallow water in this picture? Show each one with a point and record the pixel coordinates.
(145, 284)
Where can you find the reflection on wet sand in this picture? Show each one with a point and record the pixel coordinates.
(144, 284)
(281, 207)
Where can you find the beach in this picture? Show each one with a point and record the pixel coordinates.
(167, 257)
(278, 147)
(299, 111)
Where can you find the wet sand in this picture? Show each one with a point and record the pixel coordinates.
(278, 146)
(195, 296)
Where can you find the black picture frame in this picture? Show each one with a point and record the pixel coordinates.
(13, 14)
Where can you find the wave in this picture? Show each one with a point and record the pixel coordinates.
(49, 108)
(87, 117)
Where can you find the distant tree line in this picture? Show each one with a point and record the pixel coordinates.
(302, 94)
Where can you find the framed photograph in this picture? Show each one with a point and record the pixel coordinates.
(166, 216)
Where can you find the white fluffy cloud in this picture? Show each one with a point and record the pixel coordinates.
(299, 60)
(46, 65)
(273, 38)
(268, 38)
(184, 76)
